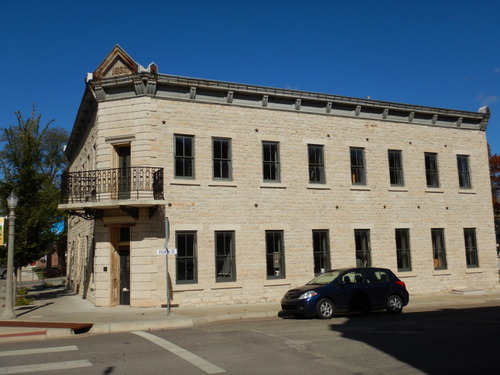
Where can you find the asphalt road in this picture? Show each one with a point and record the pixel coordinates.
(450, 341)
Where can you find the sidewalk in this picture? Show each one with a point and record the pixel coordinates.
(58, 312)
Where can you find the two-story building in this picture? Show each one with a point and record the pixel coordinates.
(263, 188)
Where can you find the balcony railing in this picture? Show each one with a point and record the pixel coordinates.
(112, 184)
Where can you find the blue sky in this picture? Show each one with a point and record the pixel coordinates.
(432, 52)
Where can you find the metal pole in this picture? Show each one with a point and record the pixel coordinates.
(8, 312)
(167, 237)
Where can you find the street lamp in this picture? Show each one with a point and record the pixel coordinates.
(8, 312)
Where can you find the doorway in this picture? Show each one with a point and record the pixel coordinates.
(123, 175)
(120, 265)
(124, 255)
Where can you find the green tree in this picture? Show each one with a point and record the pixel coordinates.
(31, 160)
(495, 188)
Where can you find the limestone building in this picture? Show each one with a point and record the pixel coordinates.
(263, 188)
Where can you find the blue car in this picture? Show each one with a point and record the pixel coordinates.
(346, 290)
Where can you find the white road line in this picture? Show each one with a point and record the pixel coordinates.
(44, 367)
(54, 349)
(199, 362)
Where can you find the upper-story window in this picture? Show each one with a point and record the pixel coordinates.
(358, 169)
(221, 158)
(396, 167)
(184, 156)
(431, 170)
(463, 172)
(316, 164)
(271, 161)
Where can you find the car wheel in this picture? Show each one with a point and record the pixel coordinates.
(394, 304)
(325, 309)
(4, 273)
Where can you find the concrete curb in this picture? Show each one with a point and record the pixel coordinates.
(149, 325)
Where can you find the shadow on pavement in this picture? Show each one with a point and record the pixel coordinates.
(448, 341)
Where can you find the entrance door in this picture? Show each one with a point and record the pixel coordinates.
(124, 174)
(124, 254)
(120, 265)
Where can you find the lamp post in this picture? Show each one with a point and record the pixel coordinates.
(8, 312)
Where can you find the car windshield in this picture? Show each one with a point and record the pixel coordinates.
(324, 278)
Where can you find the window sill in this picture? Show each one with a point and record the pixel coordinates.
(272, 185)
(434, 190)
(185, 183)
(398, 189)
(442, 273)
(360, 188)
(466, 191)
(406, 274)
(223, 184)
(187, 290)
(473, 270)
(276, 284)
(227, 287)
(318, 187)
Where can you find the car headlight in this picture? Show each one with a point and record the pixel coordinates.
(308, 294)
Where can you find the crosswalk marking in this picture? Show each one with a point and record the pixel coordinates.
(44, 367)
(54, 349)
(199, 362)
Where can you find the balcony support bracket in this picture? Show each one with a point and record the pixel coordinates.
(153, 210)
(131, 211)
(87, 214)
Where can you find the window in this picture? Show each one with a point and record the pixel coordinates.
(471, 247)
(431, 170)
(316, 164)
(463, 172)
(363, 252)
(395, 168)
(358, 172)
(321, 251)
(221, 158)
(271, 161)
(438, 248)
(403, 249)
(184, 156)
(186, 259)
(275, 254)
(225, 265)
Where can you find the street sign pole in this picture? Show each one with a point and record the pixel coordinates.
(167, 237)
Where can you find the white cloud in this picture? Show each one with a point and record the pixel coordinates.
(488, 100)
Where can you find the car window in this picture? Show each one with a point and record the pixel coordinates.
(378, 276)
(353, 277)
(324, 278)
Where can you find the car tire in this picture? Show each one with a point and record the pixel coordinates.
(325, 309)
(394, 304)
(4, 273)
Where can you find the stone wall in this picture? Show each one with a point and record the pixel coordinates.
(248, 206)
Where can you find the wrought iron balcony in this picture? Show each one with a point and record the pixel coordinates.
(112, 184)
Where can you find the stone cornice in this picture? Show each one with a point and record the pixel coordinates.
(171, 87)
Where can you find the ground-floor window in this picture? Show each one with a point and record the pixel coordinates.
(363, 251)
(403, 249)
(225, 265)
(186, 260)
(471, 247)
(439, 249)
(275, 254)
(321, 251)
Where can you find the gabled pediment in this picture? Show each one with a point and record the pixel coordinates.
(117, 64)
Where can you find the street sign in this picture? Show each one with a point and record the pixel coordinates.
(166, 252)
